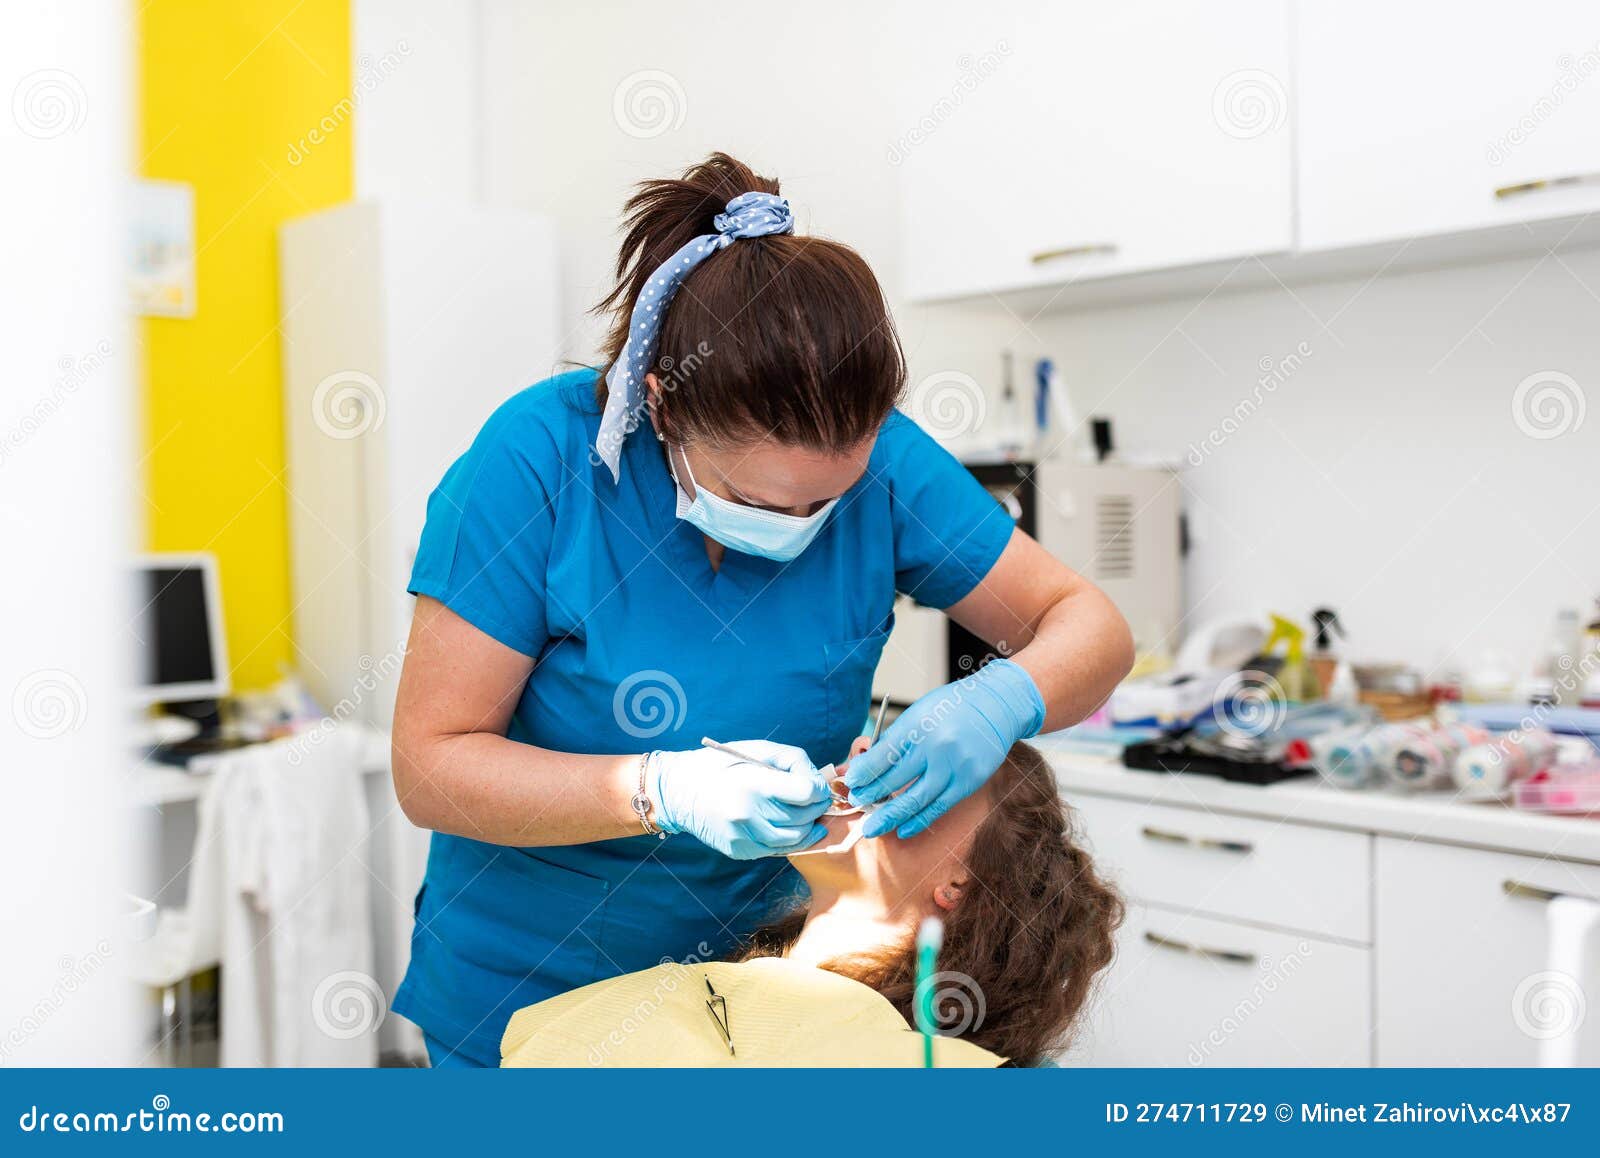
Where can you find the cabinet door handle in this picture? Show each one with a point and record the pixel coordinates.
(1099, 248)
(1233, 956)
(1526, 187)
(1163, 834)
(1534, 893)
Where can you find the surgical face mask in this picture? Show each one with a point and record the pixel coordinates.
(749, 530)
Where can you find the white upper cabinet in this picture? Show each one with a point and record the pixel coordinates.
(1045, 143)
(1432, 118)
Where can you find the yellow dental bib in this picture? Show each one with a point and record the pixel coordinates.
(779, 1013)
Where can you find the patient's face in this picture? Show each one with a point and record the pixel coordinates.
(945, 841)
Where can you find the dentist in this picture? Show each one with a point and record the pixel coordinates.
(706, 540)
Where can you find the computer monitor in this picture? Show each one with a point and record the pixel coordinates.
(177, 630)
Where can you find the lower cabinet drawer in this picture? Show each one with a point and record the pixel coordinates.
(1187, 990)
(1465, 971)
(1290, 876)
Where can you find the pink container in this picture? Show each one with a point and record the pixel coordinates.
(1573, 789)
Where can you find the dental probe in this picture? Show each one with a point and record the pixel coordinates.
(728, 749)
(883, 707)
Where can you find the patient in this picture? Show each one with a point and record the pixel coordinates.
(1026, 917)
(1028, 926)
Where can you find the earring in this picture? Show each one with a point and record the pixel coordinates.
(660, 437)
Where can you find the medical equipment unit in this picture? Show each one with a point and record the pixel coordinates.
(1118, 525)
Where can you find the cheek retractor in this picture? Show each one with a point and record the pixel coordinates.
(841, 806)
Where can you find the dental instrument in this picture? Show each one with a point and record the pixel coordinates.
(723, 1023)
(841, 807)
(734, 804)
(877, 727)
(930, 938)
(730, 750)
(829, 776)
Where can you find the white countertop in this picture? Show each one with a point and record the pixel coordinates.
(155, 784)
(1433, 816)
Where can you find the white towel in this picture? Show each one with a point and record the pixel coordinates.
(296, 912)
(1571, 922)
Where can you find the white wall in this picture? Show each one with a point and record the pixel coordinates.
(65, 521)
(1386, 477)
(585, 100)
(418, 94)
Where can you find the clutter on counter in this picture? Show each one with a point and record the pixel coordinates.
(1243, 701)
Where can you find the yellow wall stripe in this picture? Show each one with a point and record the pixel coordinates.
(228, 93)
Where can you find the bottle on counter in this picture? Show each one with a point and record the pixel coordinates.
(1589, 697)
(1324, 626)
(1490, 768)
(1428, 760)
(1555, 680)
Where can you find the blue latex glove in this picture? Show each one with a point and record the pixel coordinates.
(741, 809)
(949, 742)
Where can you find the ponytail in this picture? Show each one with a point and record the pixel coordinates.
(781, 337)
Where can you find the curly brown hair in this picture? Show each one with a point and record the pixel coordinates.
(1022, 948)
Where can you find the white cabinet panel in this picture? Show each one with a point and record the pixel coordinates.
(1288, 875)
(1190, 991)
(915, 659)
(1461, 976)
(404, 325)
(1410, 116)
(1054, 142)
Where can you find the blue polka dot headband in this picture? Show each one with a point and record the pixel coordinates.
(748, 215)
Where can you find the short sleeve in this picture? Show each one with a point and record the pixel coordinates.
(948, 530)
(486, 542)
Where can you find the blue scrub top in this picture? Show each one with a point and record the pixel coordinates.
(640, 645)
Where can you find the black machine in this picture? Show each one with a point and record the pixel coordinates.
(1013, 487)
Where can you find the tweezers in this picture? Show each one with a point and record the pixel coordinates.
(724, 1025)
